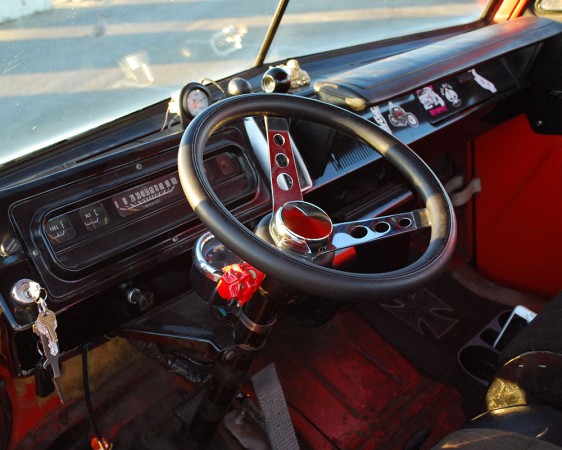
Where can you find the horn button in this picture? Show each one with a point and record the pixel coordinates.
(301, 227)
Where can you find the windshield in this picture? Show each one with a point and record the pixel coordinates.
(68, 66)
(309, 28)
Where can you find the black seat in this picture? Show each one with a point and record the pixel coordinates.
(492, 439)
(524, 401)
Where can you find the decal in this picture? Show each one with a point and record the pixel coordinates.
(419, 308)
(380, 120)
(431, 101)
(483, 82)
(450, 95)
(399, 117)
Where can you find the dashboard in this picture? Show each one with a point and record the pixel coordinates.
(115, 221)
(78, 230)
(106, 213)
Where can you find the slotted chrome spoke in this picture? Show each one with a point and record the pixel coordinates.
(285, 186)
(349, 234)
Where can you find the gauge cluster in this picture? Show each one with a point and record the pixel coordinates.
(98, 227)
(82, 236)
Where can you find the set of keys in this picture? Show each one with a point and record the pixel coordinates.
(45, 327)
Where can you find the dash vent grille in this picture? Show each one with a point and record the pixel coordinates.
(347, 152)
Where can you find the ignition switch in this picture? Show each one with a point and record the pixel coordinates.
(25, 291)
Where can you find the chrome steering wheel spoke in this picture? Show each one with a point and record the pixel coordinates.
(302, 228)
(285, 185)
(350, 234)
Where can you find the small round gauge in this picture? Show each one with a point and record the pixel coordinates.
(195, 97)
(197, 101)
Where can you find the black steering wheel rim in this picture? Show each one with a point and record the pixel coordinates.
(287, 268)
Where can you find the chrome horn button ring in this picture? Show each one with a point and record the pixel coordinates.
(301, 227)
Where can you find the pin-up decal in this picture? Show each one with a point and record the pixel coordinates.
(399, 117)
(431, 101)
(483, 82)
(450, 94)
(380, 120)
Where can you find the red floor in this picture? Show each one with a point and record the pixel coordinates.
(348, 388)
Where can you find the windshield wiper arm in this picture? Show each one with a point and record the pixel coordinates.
(273, 26)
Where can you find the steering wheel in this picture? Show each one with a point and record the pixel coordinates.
(294, 264)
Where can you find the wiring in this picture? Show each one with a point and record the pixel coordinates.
(101, 442)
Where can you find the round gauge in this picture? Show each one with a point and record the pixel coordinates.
(197, 101)
(195, 97)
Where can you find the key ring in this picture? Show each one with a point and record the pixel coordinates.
(39, 347)
(42, 301)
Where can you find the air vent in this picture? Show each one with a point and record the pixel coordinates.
(347, 152)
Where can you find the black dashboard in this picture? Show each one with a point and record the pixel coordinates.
(78, 231)
(107, 212)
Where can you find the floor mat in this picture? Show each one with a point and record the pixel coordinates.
(431, 325)
(347, 388)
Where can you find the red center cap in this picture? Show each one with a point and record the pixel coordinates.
(306, 220)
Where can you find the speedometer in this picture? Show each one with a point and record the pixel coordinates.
(195, 97)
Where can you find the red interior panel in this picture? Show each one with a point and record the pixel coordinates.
(519, 211)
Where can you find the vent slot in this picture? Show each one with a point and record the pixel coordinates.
(347, 152)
